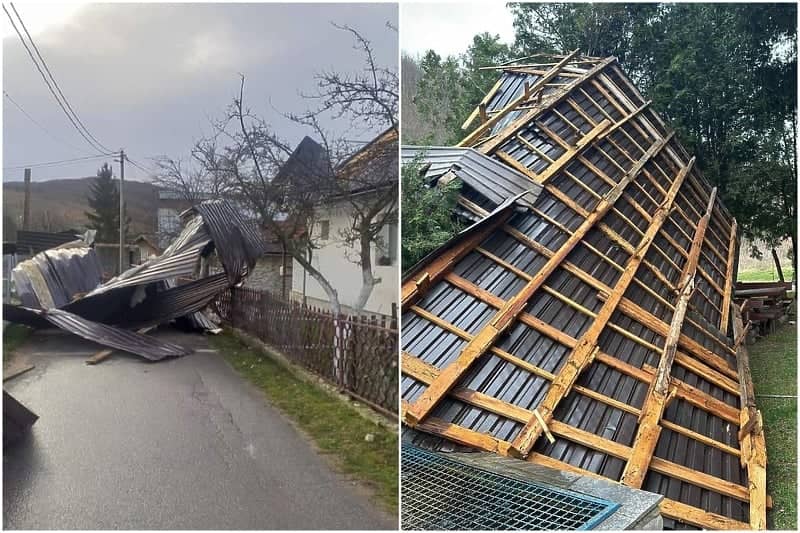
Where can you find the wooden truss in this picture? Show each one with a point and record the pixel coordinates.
(611, 172)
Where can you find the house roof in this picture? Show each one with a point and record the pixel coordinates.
(555, 320)
(38, 241)
(307, 168)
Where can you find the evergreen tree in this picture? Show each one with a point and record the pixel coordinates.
(104, 202)
(427, 220)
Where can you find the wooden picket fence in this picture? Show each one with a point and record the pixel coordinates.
(361, 359)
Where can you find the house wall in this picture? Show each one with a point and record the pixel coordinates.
(266, 276)
(332, 259)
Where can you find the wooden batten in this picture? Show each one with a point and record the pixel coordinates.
(529, 117)
(506, 315)
(649, 430)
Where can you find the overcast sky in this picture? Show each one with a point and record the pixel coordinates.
(147, 77)
(448, 28)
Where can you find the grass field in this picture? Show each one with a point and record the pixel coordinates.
(765, 274)
(773, 362)
(13, 336)
(337, 429)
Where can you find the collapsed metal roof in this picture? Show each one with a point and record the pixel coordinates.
(592, 331)
(63, 287)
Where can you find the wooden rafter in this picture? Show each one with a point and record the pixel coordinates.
(586, 349)
(752, 443)
(729, 275)
(476, 134)
(506, 315)
(658, 394)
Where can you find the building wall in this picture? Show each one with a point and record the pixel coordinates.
(333, 259)
(266, 276)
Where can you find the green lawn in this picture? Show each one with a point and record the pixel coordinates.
(13, 336)
(765, 274)
(337, 429)
(773, 362)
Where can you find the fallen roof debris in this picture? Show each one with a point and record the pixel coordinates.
(63, 287)
(598, 312)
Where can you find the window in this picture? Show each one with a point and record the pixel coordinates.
(324, 229)
(389, 243)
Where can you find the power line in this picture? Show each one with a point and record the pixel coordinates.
(52, 78)
(49, 86)
(56, 163)
(36, 122)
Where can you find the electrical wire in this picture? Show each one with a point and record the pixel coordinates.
(52, 78)
(56, 163)
(36, 122)
(100, 148)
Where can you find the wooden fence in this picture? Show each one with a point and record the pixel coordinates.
(358, 355)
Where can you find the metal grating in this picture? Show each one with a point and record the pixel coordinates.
(439, 493)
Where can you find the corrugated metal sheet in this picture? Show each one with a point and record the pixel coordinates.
(487, 177)
(62, 287)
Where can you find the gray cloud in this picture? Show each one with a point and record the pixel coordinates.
(147, 76)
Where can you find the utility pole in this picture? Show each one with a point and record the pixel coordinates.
(26, 210)
(121, 207)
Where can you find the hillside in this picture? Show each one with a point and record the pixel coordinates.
(61, 204)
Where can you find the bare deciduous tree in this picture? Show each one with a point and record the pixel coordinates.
(287, 193)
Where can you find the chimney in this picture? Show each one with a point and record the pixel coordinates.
(26, 214)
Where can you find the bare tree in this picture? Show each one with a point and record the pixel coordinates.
(288, 193)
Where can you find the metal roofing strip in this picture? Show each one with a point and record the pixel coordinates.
(238, 242)
(488, 177)
(120, 339)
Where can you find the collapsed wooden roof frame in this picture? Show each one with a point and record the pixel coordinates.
(524, 110)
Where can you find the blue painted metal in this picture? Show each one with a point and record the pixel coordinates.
(440, 493)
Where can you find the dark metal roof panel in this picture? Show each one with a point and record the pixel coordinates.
(486, 176)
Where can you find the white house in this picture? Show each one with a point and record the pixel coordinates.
(338, 261)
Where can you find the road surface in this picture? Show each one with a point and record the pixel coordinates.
(179, 444)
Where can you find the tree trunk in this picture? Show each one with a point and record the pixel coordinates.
(368, 280)
(339, 333)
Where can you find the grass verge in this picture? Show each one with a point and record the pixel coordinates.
(13, 336)
(773, 362)
(337, 429)
(765, 274)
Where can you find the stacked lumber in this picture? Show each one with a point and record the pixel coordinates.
(765, 304)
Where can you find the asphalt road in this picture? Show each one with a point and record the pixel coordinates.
(180, 444)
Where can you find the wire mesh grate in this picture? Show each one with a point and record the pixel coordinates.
(444, 494)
